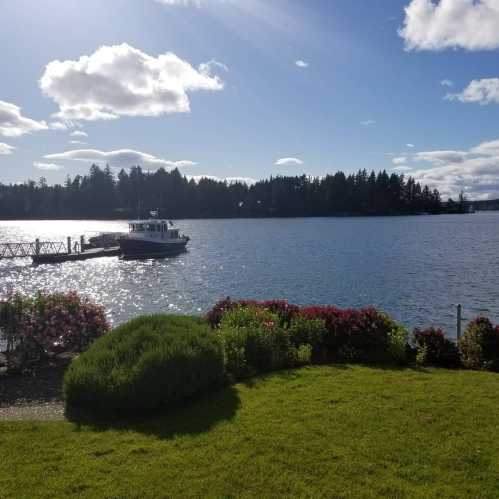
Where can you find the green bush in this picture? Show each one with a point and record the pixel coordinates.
(479, 346)
(254, 341)
(434, 349)
(145, 364)
(304, 330)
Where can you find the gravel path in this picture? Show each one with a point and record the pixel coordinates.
(51, 411)
(35, 397)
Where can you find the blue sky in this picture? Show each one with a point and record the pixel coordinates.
(253, 88)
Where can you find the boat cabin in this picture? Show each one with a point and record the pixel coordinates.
(154, 228)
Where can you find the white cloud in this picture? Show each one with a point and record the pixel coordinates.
(441, 157)
(288, 162)
(399, 160)
(467, 24)
(182, 3)
(123, 158)
(447, 83)
(476, 172)
(301, 64)
(229, 180)
(14, 124)
(402, 168)
(79, 133)
(77, 142)
(58, 125)
(368, 122)
(5, 149)
(47, 166)
(485, 91)
(410, 146)
(120, 80)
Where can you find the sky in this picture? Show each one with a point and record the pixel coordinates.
(246, 89)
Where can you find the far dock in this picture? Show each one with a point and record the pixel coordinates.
(42, 252)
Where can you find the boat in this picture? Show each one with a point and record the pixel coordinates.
(104, 240)
(152, 238)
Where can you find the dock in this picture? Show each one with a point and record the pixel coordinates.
(74, 257)
(42, 252)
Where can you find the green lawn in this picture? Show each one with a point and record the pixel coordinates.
(328, 431)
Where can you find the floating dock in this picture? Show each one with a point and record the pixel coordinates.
(74, 257)
(56, 252)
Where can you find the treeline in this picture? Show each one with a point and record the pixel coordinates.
(101, 194)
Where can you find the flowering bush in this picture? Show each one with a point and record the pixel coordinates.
(364, 335)
(434, 349)
(479, 346)
(49, 323)
(254, 341)
(341, 335)
(282, 308)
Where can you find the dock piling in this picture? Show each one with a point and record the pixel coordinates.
(459, 320)
(69, 245)
(82, 244)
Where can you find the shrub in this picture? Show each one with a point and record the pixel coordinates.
(49, 323)
(282, 308)
(305, 331)
(147, 363)
(479, 346)
(254, 342)
(364, 335)
(434, 349)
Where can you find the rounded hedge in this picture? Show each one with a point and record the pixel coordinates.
(147, 363)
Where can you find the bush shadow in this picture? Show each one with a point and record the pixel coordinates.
(192, 417)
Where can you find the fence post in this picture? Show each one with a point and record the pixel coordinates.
(69, 245)
(82, 244)
(459, 320)
(37, 247)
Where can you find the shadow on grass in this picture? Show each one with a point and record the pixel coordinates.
(192, 417)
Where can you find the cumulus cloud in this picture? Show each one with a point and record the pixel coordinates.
(121, 80)
(447, 83)
(467, 24)
(399, 160)
(485, 91)
(122, 158)
(14, 124)
(301, 64)
(5, 149)
(47, 166)
(288, 162)
(402, 168)
(410, 146)
(368, 122)
(77, 142)
(476, 172)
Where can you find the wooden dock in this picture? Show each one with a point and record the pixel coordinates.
(74, 257)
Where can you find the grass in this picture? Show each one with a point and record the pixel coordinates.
(344, 431)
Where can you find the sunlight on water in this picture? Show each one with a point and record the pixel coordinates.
(415, 268)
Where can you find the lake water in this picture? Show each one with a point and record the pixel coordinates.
(415, 268)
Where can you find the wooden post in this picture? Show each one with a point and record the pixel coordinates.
(37, 247)
(459, 320)
(69, 245)
(82, 244)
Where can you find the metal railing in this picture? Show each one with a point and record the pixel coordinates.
(23, 250)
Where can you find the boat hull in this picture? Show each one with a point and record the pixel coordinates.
(138, 248)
